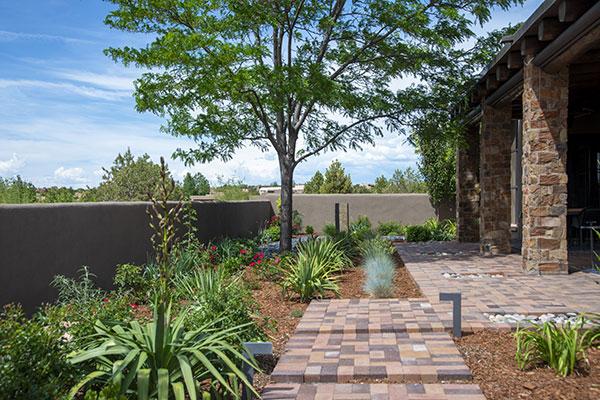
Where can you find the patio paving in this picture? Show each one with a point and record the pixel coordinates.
(379, 391)
(513, 291)
(400, 348)
(368, 340)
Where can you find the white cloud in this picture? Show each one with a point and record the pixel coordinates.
(8, 36)
(66, 176)
(12, 165)
(85, 91)
(107, 81)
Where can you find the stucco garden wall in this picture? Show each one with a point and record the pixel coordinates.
(38, 242)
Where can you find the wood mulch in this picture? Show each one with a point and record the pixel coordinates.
(490, 356)
(283, 314)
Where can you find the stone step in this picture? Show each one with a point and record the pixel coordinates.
(369, 316)
(396, 357)
(379, 391)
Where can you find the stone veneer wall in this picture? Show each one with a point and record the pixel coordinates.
(467, 187)
(494, 175)
(545, 107)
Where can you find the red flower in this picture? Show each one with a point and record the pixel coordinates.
(259, 261)
(134, 306)
(252, 264)
(105, 300)
(213, 247)
(243, 251)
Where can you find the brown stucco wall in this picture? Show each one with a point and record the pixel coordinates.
(318, 209)
(38, 242)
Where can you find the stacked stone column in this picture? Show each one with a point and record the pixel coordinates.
(545, 102)
(494, 175)
(467, 187)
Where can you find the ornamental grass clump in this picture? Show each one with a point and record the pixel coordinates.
(313, 270)
(561, 347)
(380, 269)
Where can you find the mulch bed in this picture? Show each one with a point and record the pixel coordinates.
(490, 356)
(283, 314)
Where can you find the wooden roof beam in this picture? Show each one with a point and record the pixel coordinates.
(530, 46)
(514, 60)
(549, 29)
(570, 10)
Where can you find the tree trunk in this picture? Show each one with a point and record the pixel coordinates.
(287, 173)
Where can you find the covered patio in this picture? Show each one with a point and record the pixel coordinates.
(528, 175)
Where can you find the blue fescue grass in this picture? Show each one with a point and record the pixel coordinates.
(380, 269)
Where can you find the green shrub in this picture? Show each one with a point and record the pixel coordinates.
(82, 290)
(561, 347)
(445, 230)
(162, 359)
(330, 231)
(309, 230)
(111, 392)
(311, 272)
(391, 228)
(33, 358)
(131, 278)
(361, 229)
(418, 233)
(216, 296)
(380, 270)
(270, 234)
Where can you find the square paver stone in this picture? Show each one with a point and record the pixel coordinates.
(397, 357)
(378, 391)
(369, 316)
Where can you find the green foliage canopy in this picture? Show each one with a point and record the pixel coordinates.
(299, 77)
(336, 180)
(314, 184)
(195, 185)
(16, 191)
(131, 179)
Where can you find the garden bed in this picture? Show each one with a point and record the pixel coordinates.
(491, 357)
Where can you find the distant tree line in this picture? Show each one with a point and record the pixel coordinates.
(128, 179)
(335, 180)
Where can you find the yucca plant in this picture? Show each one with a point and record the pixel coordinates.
(312, 271)
(203, 284)
(161, 360)
(561, 347)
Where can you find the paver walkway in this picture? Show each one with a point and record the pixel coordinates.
(400, 349)
(371, 348)
(512, 292)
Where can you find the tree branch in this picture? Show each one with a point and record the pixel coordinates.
(336, 136)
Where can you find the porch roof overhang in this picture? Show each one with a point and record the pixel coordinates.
(556, 34)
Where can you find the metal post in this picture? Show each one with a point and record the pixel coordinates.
(455, 298)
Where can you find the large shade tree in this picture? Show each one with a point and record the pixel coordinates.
(296, 76)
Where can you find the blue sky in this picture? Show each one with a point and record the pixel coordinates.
(67, 110)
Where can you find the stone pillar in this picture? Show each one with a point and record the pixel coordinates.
(467, 187)
(494, 176)
(545, 103)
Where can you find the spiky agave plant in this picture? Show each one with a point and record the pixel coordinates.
(312, 271)
(161, 360)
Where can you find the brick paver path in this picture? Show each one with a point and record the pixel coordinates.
(399, 349)
(378, 391)
(367, 342)
(513, 292)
